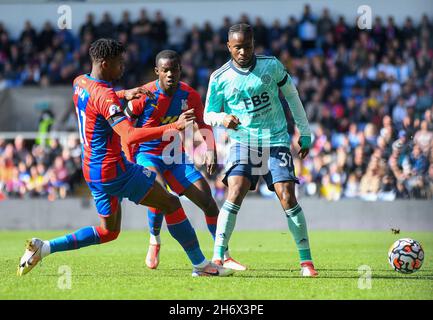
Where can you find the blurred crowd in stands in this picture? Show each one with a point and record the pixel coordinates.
(368, 94)
(47, 170)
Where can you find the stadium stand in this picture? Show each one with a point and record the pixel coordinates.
(368, 96)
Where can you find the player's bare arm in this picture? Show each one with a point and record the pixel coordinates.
(132, 135)
(135, 93)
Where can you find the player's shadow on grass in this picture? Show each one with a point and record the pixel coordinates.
(392, 274)
(256, 274)
(342, 270)
(322, 276)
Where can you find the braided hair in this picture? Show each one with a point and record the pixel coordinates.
(103, 49)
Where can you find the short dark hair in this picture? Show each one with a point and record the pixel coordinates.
(167, 54)
(244, 28)
(103, 49)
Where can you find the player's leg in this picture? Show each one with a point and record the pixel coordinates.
(181, 229)
(185, 179)
(154, 215)
(155, 218)
(238, 186)
(110, 214)
(297, 224)
(281, 178)
(200, 194)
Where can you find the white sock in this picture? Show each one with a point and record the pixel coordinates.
(226, 255)
(46, 249)
(155, 239)
(225, 226)
(202, 264)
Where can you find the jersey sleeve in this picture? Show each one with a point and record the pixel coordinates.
(135, 107)
(109, 107)
(280, 74)
(214, 97)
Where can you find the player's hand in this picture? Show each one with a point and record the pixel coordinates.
(138, 92)
(305, 144)
(185, 119)
(231, 121)
(211, 161)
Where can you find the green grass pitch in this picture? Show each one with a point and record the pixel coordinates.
(116, 270)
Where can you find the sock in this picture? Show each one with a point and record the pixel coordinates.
(155, 239)
(181, 229)
(226, 254)
(225, 227)
(212, 225)
(46, 249)
(81, 238)
(298, 228)
(155, 218)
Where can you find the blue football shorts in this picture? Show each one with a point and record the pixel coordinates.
(133, 183)
(274, 164)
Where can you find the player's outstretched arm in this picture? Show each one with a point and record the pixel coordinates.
(135, 93)
(291, 95)
(132, 135)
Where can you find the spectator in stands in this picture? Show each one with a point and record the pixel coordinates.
(88, 27)
(351, 190)
(106, 28)
(177, 35)
(20, 152)
(423, 138)
(36, 184)
(159, 32)
(125, 26)
(371, 181)
(329, 190)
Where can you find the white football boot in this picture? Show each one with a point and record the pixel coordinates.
(31, 256)
(211, 270)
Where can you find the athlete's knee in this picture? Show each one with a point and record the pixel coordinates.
(210, 208)
(287, 196)
(106, 235)
(171, 204)
(236, 193)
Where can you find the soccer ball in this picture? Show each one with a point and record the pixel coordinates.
(406, 255)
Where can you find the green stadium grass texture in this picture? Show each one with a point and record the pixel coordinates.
(116, 270)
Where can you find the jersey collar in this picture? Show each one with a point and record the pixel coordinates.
(244, 73)
(87, 75)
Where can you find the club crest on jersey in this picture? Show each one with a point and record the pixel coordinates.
(184, 106)
(147, 172)
(113, 109)
(235, 91)
(266, 79)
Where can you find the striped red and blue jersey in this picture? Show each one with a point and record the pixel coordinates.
(95, 103)
(164, 109)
